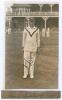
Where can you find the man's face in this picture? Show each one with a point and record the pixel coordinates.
(31, 23)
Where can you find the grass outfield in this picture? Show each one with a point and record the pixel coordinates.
(46, 65)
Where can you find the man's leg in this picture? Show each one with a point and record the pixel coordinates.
(26, 63)
(32, 59)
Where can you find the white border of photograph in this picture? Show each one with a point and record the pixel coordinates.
(3, 5)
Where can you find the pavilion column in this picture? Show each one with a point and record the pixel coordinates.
(28, 21)
(40, 7)
(45, 19)
(9, 25)
(51, 6)
(45, 27)
(19, 11)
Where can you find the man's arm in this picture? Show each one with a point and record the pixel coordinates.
(38, 39)
(24, 36)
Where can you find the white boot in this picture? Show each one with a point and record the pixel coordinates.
(25, 76)
(25, 72)
(31, 76)
(31, 71)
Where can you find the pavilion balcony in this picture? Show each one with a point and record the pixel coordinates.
(38, 14)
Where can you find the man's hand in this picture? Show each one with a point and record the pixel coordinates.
(22, 49)
(37, 49)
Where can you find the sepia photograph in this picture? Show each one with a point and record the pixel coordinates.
(32, 46)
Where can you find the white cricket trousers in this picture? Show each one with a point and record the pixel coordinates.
(29, 60)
